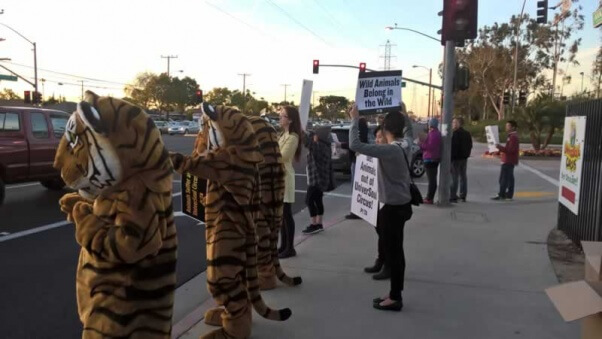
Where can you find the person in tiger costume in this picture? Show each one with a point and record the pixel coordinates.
(230, 166)
(113, 155)
(268, 218)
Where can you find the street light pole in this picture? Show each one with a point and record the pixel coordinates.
(411, 30)
(520, 19)
(448, 108)
(582, 74)
(428, 112)
(35, 55)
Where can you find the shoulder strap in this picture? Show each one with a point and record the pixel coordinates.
(407, 162)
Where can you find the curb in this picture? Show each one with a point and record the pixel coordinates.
(189, 321)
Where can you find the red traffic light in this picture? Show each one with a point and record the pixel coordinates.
(459, 20)
(316, 66)
(362, 67)
(198, 96)
(27, 97)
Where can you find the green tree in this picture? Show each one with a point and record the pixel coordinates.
(9, 94)
(333, 107)
(138, 90)
(219, 96)
(597, 72)
(543, 116)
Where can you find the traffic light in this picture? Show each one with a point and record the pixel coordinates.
(316, 66)
(522, 98)
(362, 67)
(506, 97)
(462, 78)
(198, 97)
(542, 12)
(27, 97)
(459, 20)
(36, 97)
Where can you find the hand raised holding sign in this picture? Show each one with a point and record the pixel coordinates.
(353, 112)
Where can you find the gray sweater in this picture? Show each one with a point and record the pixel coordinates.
(393, 173)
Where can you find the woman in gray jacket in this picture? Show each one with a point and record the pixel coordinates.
(394, 191)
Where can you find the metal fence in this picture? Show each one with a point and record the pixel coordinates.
(586, 226)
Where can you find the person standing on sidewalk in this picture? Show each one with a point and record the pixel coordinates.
(460, 152)
(394, 191)
(290, 148)
(380, 267)
(363, 128)
(318, 177)
(509, 155)
(431, 153)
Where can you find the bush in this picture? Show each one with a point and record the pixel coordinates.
(477, 130)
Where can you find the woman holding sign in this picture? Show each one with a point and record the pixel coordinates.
(290, 148)
(394, 191)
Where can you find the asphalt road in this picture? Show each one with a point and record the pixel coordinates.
(37, 283)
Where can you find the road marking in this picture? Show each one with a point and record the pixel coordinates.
(4, 234)
(300, 174)
(177, 181)
(540, 174)
(57, 225)
(34, 230)
(23, 185)
(534, 194)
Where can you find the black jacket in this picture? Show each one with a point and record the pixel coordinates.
(461, 144)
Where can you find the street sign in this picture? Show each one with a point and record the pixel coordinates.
(598, 17)
(378, 92)
(8, 77)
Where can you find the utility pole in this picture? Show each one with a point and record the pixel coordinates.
(516, 43)
(244, 88)
(387, 57)
(43, 81)
(448, 108)
(82, 89)
(169, 57)
(285, 87)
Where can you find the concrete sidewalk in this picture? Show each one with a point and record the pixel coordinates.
(474, 270)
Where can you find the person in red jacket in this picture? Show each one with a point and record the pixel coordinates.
(509, 155)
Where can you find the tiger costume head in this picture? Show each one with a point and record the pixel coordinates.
(226, 127)
(106, 141)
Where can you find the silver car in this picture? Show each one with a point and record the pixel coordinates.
(183, 127)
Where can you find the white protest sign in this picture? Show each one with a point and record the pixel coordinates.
(571, 164)
(305, 101)
(493, 137)
(364, 199)
(378, 92)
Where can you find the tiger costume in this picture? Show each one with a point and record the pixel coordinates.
(269, 216)
(113, 154)
(232, 200)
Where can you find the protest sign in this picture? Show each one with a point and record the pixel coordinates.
(493, 137)
(571, 163)
(364, 199)
(193, 193)
(378, 92)
(305, 101)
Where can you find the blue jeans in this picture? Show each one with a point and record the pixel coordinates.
(507, 181)
(459, 172)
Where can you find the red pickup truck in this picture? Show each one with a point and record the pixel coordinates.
(29, 137)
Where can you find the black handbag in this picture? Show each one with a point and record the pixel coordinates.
(414, 191)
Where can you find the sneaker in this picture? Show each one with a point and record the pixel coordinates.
(463, 199)
(427, 202)
(287, 254)
(313, 229)
(455, 201)
(509, 199)
(497, 198)
(351, 216)
(383, 275)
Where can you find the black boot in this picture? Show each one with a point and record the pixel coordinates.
(384, 274)
(378, 265)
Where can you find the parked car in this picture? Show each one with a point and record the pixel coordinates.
(340, 151)
(183, 127)
(29, 137)
(162, 126)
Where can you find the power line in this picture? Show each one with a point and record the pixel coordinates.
(67, 74)
(297, 22)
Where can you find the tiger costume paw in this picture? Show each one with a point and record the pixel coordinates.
(213, 316)
(68, 202)
(81, 210)
(177, 161)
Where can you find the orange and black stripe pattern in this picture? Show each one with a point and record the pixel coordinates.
(231, 204)
(126, 275)
(269, 215)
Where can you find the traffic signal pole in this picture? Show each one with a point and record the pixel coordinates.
(446, 130)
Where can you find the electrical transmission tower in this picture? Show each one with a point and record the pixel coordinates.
(387, 57)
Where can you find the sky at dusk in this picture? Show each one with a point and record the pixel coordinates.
(107, 43)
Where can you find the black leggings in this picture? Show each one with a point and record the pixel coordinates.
(392, 219)
(431, 173)
(313, 200)
(287, 232)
